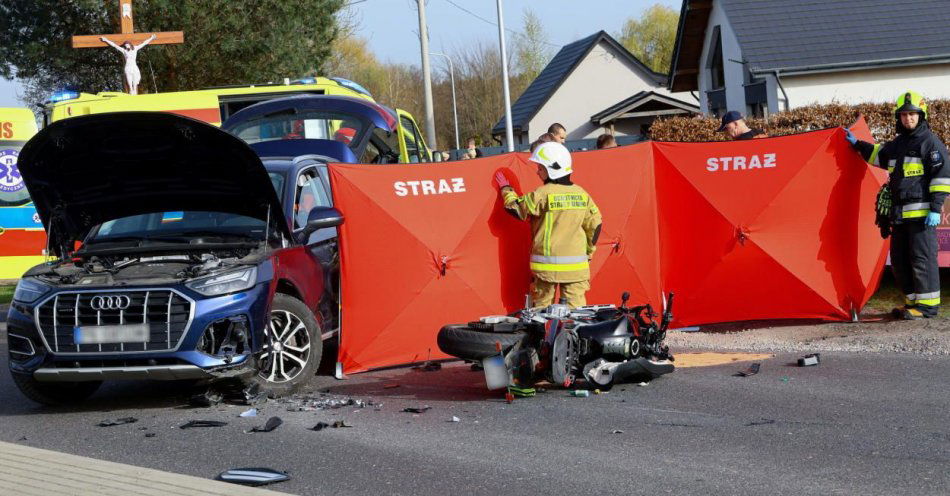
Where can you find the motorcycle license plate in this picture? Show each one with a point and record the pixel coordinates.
(108, 334)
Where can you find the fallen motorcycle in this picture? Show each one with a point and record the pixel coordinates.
(604, 344)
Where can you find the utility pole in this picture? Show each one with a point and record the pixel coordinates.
(455, 113)
(509, 135)
(426, 75)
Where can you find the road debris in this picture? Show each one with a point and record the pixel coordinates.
(253, 476)
(616, 431)
(299, 403)
(271, 424)
(428, 367)
(580, 393)
(415, 409)
(205, 398)
(149, 434)
(454, 419)
(121, 421)
(752, 370)
(809, 360)
(203, 423)
(249, 413)
(336, 425)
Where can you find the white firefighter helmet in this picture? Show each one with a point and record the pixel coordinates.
(554, 157)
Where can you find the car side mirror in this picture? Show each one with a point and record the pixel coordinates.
(320, 218)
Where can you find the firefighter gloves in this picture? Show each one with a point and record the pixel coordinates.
(933, 219)
(850, 137)
(501, 180)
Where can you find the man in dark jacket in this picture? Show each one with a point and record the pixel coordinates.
(734, 125)
(919, 182)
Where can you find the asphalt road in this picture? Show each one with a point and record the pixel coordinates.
(856, 424)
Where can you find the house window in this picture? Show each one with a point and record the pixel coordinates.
(758, 110)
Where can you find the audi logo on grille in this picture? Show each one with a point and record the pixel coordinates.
(117, 302)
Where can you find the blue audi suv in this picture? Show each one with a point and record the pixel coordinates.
(175, 258)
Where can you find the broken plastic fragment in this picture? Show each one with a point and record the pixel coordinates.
(253, 476)
(455, 419)
(616, 431)
(249, 413)
(809, 360)
(203, 423)
(271, 424)
(149, 434)
(252, 395)
(413, 409)
(205, 398)
(752, 370)
(121, 421)
(428, 367)
(340, 423)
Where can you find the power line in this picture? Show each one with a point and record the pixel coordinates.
(493, 23)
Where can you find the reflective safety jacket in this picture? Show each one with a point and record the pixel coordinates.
(565, 224)
(919, 177)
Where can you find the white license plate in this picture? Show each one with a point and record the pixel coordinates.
(126, 333)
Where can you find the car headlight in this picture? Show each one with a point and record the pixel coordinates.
(29, 290)
(227, 282)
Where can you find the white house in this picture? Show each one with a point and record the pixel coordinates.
(764, 56)
(592, 86)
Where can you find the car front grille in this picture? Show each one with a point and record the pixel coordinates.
(167, 314)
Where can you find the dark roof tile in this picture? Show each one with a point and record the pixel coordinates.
(798, 34)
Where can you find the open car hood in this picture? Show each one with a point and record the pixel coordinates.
(83, 171)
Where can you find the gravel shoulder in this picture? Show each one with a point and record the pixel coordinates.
(874, 334)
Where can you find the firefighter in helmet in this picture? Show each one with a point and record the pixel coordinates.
(565, 224)
(912, 202)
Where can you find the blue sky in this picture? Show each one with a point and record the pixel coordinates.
(391, 26)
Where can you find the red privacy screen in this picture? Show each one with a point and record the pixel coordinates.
(762, 229)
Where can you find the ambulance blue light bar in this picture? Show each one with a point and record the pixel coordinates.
(62, 96)
(346, 83)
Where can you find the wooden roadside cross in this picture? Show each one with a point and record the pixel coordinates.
(129, 43)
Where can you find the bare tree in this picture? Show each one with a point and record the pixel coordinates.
(532, 50)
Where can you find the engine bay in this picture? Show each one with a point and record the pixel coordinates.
(105, 270)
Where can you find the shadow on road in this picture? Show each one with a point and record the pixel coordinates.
(454, 382)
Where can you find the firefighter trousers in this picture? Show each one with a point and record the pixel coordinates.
(914, 262)
(544, 292)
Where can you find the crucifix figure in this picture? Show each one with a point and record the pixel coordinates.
(128, 43)
(132, 74)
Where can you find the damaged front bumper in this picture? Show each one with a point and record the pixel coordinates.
(220, 343)
(241, 370)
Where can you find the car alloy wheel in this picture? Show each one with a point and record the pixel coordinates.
(287, 349)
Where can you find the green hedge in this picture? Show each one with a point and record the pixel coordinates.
(880, 117)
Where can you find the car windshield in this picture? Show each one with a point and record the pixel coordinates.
(277, 181)
(180, 227)
(336, 126)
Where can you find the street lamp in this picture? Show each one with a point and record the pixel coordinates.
(509, 135)
(455, 113)
(426, 75)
